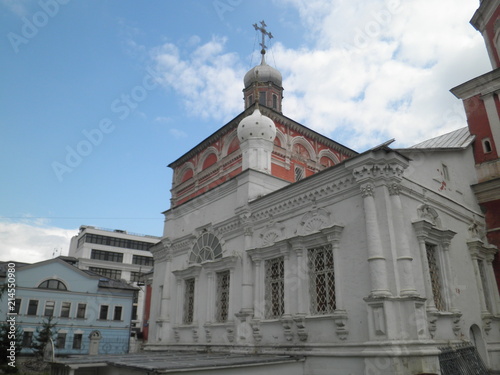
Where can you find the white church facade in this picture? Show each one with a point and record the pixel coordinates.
(281, 241)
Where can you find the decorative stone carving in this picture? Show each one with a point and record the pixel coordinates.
(257, 335)
(287, 323)
(177, 336)
(487, 324)
(432, 323)
(208, 333)
(340, 319)
(300, 323)
(272, 233)
(426, 212)
(367, 191)
(313, 221)
(456, 324)
(230, 334)
(394, 189)
(195, 334)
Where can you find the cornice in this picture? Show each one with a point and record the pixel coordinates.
(484, 84)
(487, 191)
(483, 15)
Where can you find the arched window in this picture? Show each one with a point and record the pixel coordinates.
(207, 247)
(486, 145)
(53, 284)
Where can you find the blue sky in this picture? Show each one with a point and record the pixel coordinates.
(98, 97)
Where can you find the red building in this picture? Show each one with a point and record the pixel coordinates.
(482, 107)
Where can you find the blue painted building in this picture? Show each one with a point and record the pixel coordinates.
(92, 313)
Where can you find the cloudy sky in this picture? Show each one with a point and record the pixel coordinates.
(99, 96)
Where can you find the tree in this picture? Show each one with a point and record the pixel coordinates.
(9, 338)
(42, 336)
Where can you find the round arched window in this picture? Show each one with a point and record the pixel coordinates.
(52, 284)
(207, 247)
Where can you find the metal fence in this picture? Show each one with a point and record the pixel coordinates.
(461, 360)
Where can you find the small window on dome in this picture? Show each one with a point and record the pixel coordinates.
(275, 101)
(250, 100)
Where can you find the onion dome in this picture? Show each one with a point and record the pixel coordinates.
(263, 73)
(256, 126)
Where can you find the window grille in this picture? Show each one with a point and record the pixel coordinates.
(207, 247)
(189, 302)
(223, 282)
(435, 275)
(274, 288)
(321, 280)
(484, 282)
(299, 173)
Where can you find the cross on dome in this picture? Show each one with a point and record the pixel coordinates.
(264, 32)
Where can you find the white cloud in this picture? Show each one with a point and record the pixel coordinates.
(206, 79)
(371, 71)
(178, 133)
(30, 242)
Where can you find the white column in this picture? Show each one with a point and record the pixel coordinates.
(301, 278)
(404, 258)
(180, 301)
(259, 302)
(165, 296)
(376, 259)
(247, 284)
(287, 288)
(210, 304)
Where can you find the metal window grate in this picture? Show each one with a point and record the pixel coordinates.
(321, 280)
(223, 280)
(274, 288)
(189, 302)
(484, 282)
(435, 275)
(463, 360)
(299, 173)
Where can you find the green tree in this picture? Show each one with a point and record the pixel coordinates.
(9, 339)
(42, 336)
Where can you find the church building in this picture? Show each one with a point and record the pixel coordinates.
(282, 242)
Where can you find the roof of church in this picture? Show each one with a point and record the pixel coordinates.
(457, 139)
(273, 115)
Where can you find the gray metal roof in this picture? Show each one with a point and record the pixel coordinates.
(457, 139)
(166, 361)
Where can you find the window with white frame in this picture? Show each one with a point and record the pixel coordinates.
(321, 279)
(222, 305)
(65, 309)
(189, 301)
(49, 308)
(61, 340)
(77, 340)
(274, 288)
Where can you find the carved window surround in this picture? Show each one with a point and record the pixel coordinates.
(428, 232)
(482, 255)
